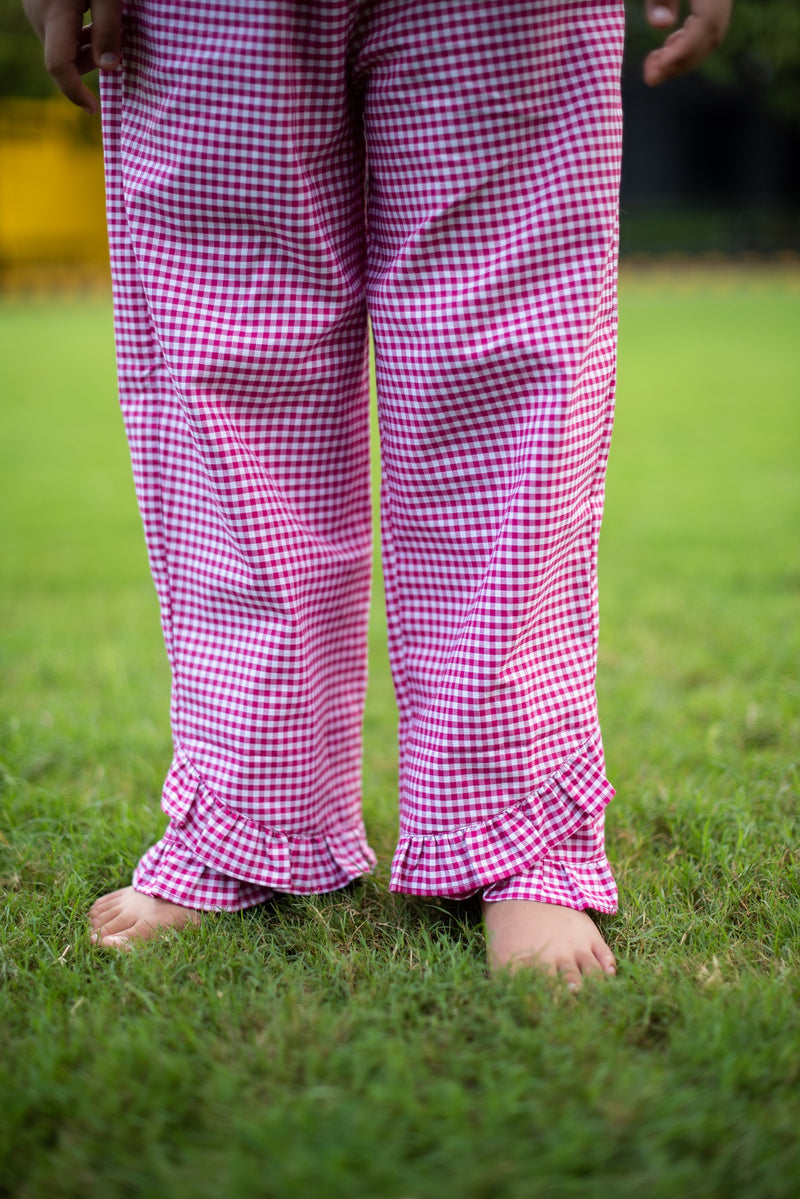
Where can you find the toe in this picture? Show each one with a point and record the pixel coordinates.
(571, 976)
(106, 907)
(587, 963)
(124, 931)
(118, 921)
(606, 959)
(109, 900)
(99, 920)
(118, 941)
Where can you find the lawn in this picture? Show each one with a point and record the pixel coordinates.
(352, 1044)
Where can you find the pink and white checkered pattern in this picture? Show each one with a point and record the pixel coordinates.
(241, 141)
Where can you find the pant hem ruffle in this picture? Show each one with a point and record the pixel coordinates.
(461, 861)
(204, 831)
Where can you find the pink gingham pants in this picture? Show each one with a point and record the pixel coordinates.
(276, 170)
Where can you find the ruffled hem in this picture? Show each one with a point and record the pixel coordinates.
(225, 841)
(590, 885)
(464, 860)
(170, 871)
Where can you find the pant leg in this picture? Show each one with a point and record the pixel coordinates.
(235, 185)
(493, 134)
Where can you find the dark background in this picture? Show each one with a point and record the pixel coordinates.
(711, 161)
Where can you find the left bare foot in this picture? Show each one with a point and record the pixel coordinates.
(120, 919)
(545, 936)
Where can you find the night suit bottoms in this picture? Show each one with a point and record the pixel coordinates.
(278, 170)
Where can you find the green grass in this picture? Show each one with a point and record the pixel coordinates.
(352, 1044)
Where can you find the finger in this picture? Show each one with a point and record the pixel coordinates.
(681, 51)
(85, 60)
(662, 14)
(691, 44)
(61, 52)
(106, 33)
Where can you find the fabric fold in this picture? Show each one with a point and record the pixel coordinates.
(170, 871)
(458, 862)
(226, 842)
(569, 884)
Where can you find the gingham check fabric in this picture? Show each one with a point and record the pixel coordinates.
(276, 170)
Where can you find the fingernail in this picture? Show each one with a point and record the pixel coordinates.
(108, 59)
(659, 13)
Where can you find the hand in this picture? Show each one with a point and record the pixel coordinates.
(72, 48)
(686, 47)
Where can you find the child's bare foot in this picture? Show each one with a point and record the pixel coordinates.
(126, 916)
(545, 936)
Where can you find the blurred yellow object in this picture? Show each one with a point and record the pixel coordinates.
(52, 211)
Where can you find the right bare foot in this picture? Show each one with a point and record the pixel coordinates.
(120, 919)
(548, 937)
